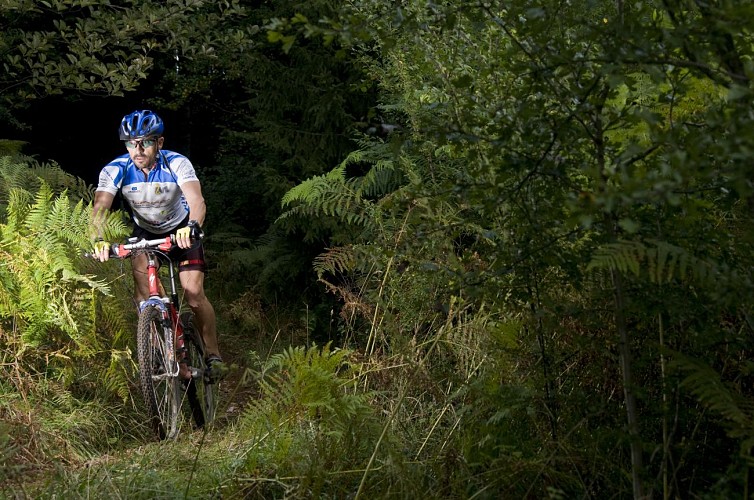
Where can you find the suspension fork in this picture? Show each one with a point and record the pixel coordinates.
(170, 312)
(152, 276)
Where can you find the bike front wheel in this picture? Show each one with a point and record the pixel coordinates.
(202, 394)
(158, 371)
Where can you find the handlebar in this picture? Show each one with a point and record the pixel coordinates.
(123, 250)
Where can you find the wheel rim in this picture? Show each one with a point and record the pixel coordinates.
(205, 393)
(208, 396)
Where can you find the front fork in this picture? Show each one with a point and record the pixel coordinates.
(175, 344)
(180, 343)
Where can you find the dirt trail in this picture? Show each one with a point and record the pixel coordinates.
(235, 392)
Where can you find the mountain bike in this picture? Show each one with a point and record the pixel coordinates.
(166, 339)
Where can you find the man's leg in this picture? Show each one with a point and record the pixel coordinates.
(141, 284)
(192, 283)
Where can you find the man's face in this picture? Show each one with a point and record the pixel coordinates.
(143, 152)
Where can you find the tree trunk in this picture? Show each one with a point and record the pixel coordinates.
(624, 351)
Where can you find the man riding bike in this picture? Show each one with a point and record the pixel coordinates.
(165, 197)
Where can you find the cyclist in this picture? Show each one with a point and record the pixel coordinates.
(165, 197)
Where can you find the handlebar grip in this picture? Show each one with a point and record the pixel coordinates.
(196, 231)
(114, 252)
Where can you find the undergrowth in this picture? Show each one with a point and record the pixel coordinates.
(328, 422)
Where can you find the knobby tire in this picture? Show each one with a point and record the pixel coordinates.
(161, 391)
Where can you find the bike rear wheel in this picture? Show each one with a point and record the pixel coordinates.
(202, 395)
(158, 372)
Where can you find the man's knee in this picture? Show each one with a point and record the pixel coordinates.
(196, 299)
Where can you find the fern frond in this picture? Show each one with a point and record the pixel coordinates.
(384, 175)
(41, 287)
(61, 181)
(307, 383)
(335, 260)
(707, 385)
(19, 203)
(8, 290)
(310, 189)
(322, 196)
(662, 262)
(381, 179)
(36, 219)
(112, 324)
(12, 175)
(120, 373)
(346, 198)
(20, 172)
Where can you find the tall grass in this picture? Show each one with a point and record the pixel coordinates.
(334, 423)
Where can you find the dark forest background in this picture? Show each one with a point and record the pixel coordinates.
(458, 249)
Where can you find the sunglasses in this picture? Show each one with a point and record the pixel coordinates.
(144, 143)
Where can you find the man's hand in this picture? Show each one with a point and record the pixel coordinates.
(186, 235)
(183, 237)
(101, 250)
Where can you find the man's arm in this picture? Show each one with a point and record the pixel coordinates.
(102, 203)
(192, 190)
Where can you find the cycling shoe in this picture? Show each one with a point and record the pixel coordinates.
(216, 369)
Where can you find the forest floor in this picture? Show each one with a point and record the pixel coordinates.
(237, 388)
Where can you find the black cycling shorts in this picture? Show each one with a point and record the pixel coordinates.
(188, 259)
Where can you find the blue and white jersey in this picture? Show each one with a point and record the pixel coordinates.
(156, 200)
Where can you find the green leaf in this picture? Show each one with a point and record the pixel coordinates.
(629, 225)
(464, 81)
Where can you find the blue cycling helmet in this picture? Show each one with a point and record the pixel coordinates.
(142, 123)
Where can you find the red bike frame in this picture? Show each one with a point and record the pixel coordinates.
(169, 308)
